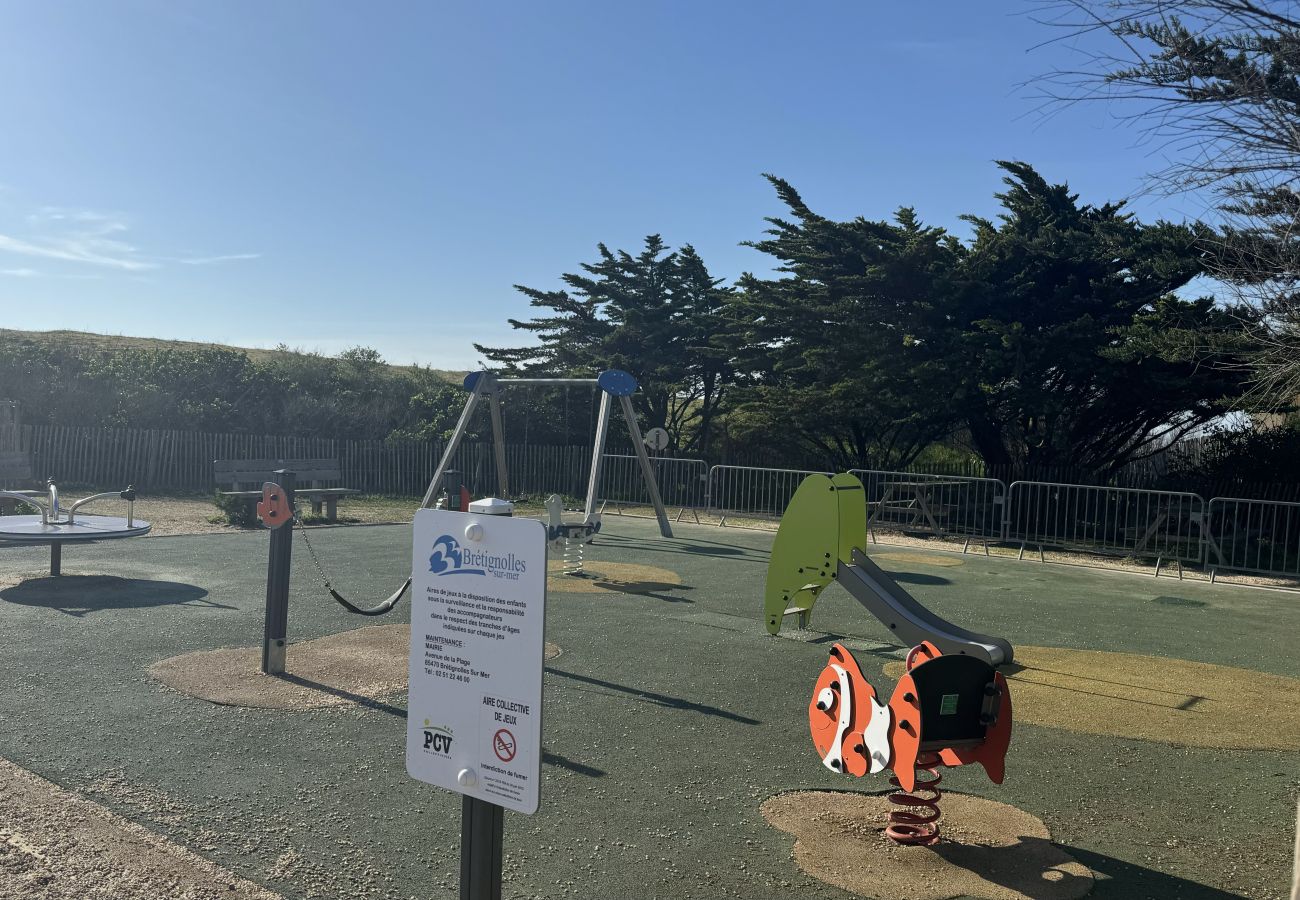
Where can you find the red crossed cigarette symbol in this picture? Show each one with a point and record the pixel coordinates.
(503, 745)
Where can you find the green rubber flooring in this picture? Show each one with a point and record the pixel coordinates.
(669, 718)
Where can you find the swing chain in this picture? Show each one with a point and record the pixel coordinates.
(384, 607)
(311, 551)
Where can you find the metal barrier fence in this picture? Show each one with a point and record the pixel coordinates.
(682, 482)
(1228, 533)
(1165, 524)
(751, 492)
(1253, 536)
(940, 504)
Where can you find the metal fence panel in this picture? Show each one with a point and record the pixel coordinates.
(753, 492)
(940, 504)
(1130, 521)
(682, 481)
(1240, 534)
(1253, 536)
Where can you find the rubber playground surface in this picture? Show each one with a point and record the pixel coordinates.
(671, 717)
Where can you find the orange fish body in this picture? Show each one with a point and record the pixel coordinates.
(855, 733)
(842, 699)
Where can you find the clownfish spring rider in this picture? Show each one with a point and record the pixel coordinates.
(951, 707)
(946, 710)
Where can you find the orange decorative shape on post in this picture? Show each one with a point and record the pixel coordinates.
(273, 508)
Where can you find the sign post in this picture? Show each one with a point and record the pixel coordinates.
(474, 721)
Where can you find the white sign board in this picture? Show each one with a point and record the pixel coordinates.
(474, 718)
(656, 439)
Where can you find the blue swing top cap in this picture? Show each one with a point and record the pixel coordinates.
(471, 380)
(616, 383)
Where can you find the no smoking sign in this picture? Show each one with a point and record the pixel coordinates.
(478, 597)
(503, 745)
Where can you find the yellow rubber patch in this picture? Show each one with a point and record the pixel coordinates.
(611, 578)
(924, 559)
(987, 850)
(1173, 701)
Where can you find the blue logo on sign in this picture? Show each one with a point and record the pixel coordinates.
(448, 558)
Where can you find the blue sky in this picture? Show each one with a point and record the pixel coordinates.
(381, 173)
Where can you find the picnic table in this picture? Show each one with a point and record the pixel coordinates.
(1172, 522)
(315, 480)
(915, 500)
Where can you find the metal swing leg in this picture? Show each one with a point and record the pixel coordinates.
(484, 383)
(597, 456)
(499, 444)
(652, 485)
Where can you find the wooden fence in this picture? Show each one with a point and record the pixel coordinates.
(161, 460)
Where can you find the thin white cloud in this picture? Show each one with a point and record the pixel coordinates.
(100, 222)
(77, 236)
(93, 251)
(209, 260)
(90, 237)
(36, 273)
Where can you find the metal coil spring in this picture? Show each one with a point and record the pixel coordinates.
(571, 561)
(917, 819)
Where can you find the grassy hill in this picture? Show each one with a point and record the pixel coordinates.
(85, 343)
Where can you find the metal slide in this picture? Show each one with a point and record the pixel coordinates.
(885, 599)
(821, 539)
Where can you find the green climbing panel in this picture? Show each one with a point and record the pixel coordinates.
(825, 520)
(853, 515)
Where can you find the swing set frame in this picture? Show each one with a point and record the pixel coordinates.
(615, 386)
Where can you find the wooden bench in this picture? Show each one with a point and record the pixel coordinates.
(314, 479)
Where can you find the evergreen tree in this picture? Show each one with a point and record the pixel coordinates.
(846, 355)
(1216, 85)
(1085, 354)
(1055, 337)
(658, 315)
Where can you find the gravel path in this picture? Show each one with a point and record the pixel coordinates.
(57, 845)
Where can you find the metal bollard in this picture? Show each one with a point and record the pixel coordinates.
(276, 632)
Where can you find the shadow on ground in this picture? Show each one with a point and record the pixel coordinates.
(80, 595)
(658, 590)
(398, 712)
(358, 699)
(696, 547)
(918, 578)
(997, 864)
(1140, 881)
(656, 698)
